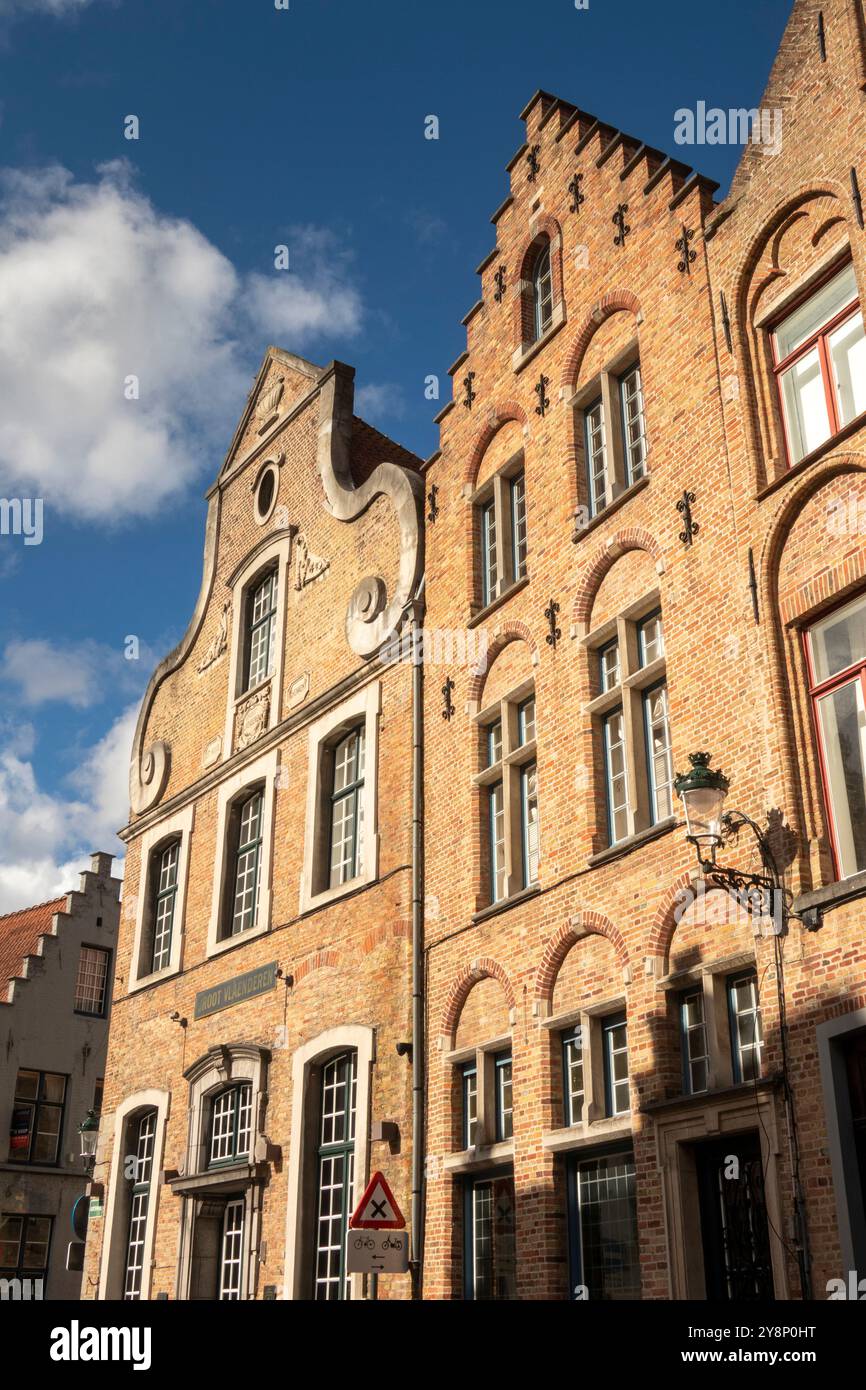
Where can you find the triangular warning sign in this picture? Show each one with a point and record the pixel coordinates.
(377, 1209)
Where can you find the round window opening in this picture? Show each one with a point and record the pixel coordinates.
(266, 492)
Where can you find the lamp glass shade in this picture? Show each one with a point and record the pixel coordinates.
(88, 1133)
(703, 808)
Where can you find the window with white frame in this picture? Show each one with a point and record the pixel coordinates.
(592, 1048)
(504, 1097)
(91, 982)
(747, 1038)
(819, 355)
(245, 860)
(230, 1126)
(164, 870)
(231, 1250)
(486, 1096)
(573, 1075)
(347, 808)
(336, 1175)
(616, 1077)
(500, 510)
(836, 653)
(694, 1041)
(261, 630)
(508, 784)
(143, 1133)
(632, 722)
(542, 292)
(612, 424)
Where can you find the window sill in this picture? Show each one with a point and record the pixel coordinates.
(230, 943)
(481, 1157)
(54, 1170)
(525, 353)
(497, 602)
(738, 1091)
(611, 508)
(832, 894)
(587, 1134)
(219, 1181)
(156, 978)
(795, 469)
(494, 909)
(342, 890)
(633, 842)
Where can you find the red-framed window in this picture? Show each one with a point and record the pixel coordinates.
(836, 659)
(819, 356)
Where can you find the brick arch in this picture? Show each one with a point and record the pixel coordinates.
(612, 303)
(634, 538)
(497, 416)
(665, 920)
(484, 968)
(375, 937)
(503, 636)
(320, 960)
(771, 226)
(589, 923)
(543, 228)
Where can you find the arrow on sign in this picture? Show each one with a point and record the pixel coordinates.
(377, 1209)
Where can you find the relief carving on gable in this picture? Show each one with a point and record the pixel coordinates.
(219, 642)
(251, 718)
(308, 566)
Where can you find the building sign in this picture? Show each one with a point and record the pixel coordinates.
(223, 996)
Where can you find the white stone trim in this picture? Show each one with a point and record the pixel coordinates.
(334, 1040)
(179, 826)
(281, 551)
(264, 770)
(365, 704)
(113, 1265)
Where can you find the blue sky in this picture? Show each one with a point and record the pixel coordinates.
(154, 258)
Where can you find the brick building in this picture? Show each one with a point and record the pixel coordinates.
(650, 494)
(56, 962)
(644, 537)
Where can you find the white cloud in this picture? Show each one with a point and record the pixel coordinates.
(96, 287)
(48, 839)
(379, 398)
(8, 8)
(80, 673)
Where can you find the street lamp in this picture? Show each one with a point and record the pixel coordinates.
(702, 791)
(88, 1132)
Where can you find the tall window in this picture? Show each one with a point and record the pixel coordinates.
(490, 1256)
(247, 863)
(347, 808)
(336, 1175)
(602, 1205)
(614, 436)
(504, 1094)
(231, 1250)
(92, 980)
(469, 1089)
(542, 293)
(747, 1038)
(37, 1117)
(502, 532)
(24, 1245)
(143, 1134)
(573, 1075)
(164, 870)
(616, 1084)
(261, 630)
(630, 710)
(509, 784)
(230, 1126)
(695, 1047)
(819, 352)
(836, 649)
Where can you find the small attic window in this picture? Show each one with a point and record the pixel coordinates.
(265, 492)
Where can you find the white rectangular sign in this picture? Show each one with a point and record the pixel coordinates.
(377, 1252)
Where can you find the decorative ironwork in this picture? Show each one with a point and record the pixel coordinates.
(543, 401)
(470, 394)
(753, 586)
(499, 281)
(577, 196)
(726, 322)
(554, 634)
(448, 711)
(619, 222)
(534, 163)
(687, 255)
(822, 38)
(433, 511)
(690, 528)
(856, 198)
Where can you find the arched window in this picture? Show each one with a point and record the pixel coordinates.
(542, 292)
(338, 1090)
(164, 879)
(142, 1135)
(261, 630)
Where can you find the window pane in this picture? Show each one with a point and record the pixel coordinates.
(615, 1034)
(805, 405)
(336, 1176)
(848, 355)
(262, 630)
(839, 641)
(91, 980)
(504, 1110)
(746, 1031)
(489, 561)
(607, 1221)
(27, 1085)
(526, 721)
(232, 1251)
(53, 1087)
(347, 809)
(596, 457)
(37, 1233)
(694, 1043)
(843, 733)
(651, 641)
(496, 813)
(529, 814)
(818, 310)
(659, 758)
(494, 743)
(491, 1235)
(634, 427)
(609, 665)
(617, 784)
(11, 1228)
(470, 1106)
(518, 526)
(542, 293)
(46, 1140)
(246, 895)
(573, 1076)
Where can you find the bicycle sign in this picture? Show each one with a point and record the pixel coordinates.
(377, 1252)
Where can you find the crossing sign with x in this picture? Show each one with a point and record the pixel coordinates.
(377, 1209)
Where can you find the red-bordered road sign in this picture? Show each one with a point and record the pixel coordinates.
(377, 1209)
